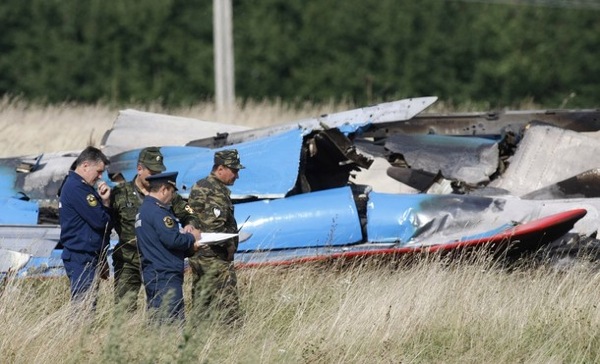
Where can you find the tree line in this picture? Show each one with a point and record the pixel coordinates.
(123, 51)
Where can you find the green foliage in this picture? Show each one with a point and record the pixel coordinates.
(344, 50)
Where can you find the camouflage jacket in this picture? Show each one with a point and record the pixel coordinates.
(210, 198)
(126, 199)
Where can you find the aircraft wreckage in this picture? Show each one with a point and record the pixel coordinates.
(385, 179)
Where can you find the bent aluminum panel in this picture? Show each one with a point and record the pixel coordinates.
(272, 165)
(318, 219)
(469, 159)
(412, 218)
(37, 240)
(347, 121)
(39, 267)
(138, 129)
(12, 260)
(489, 123)
(547, 155)
(583, 185)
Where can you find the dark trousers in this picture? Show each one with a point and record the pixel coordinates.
(164, 294)
(81, 269)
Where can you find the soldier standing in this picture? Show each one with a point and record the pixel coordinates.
(85, 221)
(214, 278)
(125, 203)
(163, 248)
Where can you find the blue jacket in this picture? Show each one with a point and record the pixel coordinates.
(162, 246)
(84, 220)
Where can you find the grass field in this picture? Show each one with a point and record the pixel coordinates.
(421, 310)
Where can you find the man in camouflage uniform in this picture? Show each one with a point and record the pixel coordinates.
(126, 199)
(214, 279)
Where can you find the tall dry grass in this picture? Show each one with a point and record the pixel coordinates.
(31, 129)
(386, 312)
(424, 312)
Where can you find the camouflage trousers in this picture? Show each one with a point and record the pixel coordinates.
(214, 289)
(128, 275)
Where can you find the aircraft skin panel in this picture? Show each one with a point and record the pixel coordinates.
(405, 219)
(16, 211)
(11, 260)
(469, 159)
(8, 178)
(510, 240)
(41, 267)
(327, 218)
(550, 154)
(37, 240)
(137, 129)
(346, 121)
(272, 165)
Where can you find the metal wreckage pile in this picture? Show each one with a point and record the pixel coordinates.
(381, 180)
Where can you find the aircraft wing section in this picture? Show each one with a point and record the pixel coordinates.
(135, 129)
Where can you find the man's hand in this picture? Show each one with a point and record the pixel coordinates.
(192, 230)
(104, 192)
(188, 228)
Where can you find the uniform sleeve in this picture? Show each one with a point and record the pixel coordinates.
(168, 232)
(184, 212)
(90, 208)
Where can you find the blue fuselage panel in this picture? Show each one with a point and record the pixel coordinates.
(271, 165)
(323, 218)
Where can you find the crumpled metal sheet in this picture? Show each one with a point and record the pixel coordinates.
(586, 184)
(12, 261)
(469, 159)
(346, 121)
(135, 129)
(547, 155)
(433, 219)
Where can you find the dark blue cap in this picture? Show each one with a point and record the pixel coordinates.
(165, 177)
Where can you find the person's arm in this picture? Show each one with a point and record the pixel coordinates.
(184, 212)
(89, 207)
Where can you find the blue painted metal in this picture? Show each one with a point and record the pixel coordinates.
(403, 218)
(323, 218)
(272, 165)
(41, 267)
(318, 219)
(8, 176)
(17, 211)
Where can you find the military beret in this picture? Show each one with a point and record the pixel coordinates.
(228, 158)
(152, 159)
(165, 177)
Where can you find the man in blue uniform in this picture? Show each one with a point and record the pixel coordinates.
(85, 221)
(163, 248)
(125, 201)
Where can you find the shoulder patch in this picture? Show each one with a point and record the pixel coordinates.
(168, 222)
(217, 212)
(91, 200)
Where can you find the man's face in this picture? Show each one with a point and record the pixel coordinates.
(228, 175)
(92, 172)
(169, 192)
(144, 172)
